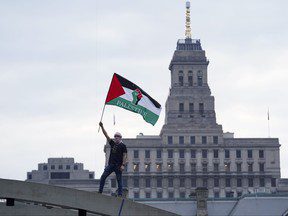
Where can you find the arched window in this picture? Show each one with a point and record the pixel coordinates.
(200, 78)
(181, 78)
(190, 78)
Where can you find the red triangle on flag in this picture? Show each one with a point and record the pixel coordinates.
(115, 89)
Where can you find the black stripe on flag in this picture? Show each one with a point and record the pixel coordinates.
(128, 84)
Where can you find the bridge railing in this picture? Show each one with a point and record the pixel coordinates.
(83, 201)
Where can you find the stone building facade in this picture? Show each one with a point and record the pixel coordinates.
(66, 173)
(192, 150)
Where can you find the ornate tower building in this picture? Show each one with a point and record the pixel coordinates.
(192, 150)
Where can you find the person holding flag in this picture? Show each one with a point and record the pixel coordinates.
(117, 159)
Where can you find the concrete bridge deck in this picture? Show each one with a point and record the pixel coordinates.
(81, 202)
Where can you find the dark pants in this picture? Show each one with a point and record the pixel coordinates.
(108, 170)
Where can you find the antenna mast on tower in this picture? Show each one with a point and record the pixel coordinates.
(188, 27)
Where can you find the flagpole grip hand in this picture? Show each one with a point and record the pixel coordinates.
(104, 131)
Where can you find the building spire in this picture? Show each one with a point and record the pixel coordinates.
(188, 27)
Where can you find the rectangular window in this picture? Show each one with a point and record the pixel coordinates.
(147, 153)
(181, 107)
(261, 167)
(250, 153)
(159, 167)
(170, 167)
(193, 167)
(136, 167)
(192, 140)
(67, 167)
(216, 182)
(193, 153)
(60, 175)
(204, 166)
(239, 167)
(191, 107)
(170, 182)
(136, 182)
(29, 176)
(159, 182)
(216, 167)
(76, 167)
(181, 80)
(200, 81)
(60, 167)
(148, 195)
(201, 108)
(113, 183)
(136, 154)
(227, 153)
(190, 80)
(159, 153)
(262, 182)
(273, 182)
(215, 151)
(170, 140)
(193, 182)
(170, 153)
(227, 167)
(250, 182)
(228, 182)
(182, 194)
(159, 195)
(238, 153)
(250, 167)
(204, 153)
(205, 182)
(239, 182)
(204, 140)
(136, 195)
(147, 182)
(45, 167)
(181, 153)
(215, 139)
(91, 176)
(125, 182)
(261, 153)
(239, 194)
(229, 194)
(181, 140)
(216, 194)
(52, 167)
(171, 195)
(182, 168)
(182, 182)
(147, 167)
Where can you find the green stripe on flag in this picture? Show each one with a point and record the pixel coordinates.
(148, 116)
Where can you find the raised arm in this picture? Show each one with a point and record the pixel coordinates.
(104, 132)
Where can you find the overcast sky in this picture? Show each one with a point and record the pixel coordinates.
(57, 59)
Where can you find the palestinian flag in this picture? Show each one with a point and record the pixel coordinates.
(127, 95)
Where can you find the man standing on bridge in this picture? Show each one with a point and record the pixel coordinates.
(117, 159)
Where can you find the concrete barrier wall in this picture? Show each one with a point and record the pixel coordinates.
(74, 199)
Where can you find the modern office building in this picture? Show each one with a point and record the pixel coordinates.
(192, 150)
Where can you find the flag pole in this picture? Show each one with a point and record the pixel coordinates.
(268, 124)
(102, 115)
